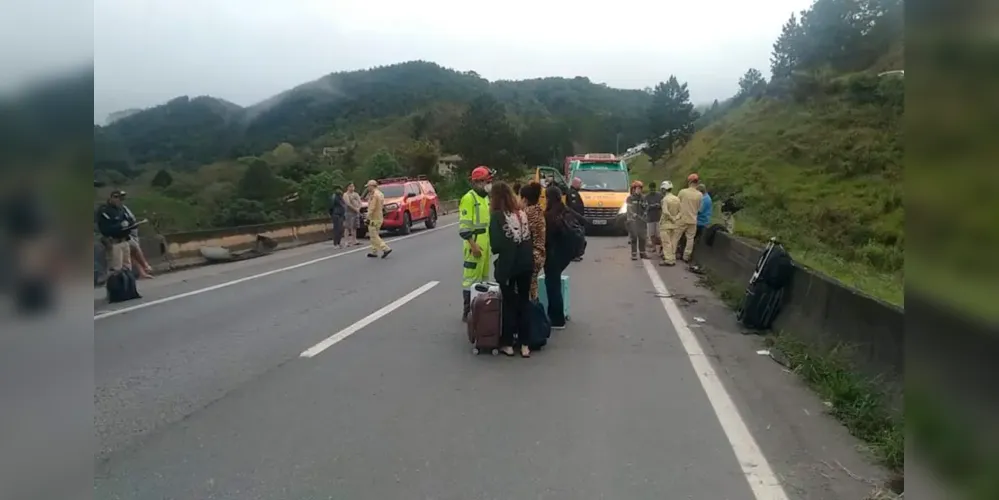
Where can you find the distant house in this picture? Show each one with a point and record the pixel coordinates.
(329, 152)
(447, 164)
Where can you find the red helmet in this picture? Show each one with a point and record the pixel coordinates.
(481, 173)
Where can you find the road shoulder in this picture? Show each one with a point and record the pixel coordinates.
(812, 454)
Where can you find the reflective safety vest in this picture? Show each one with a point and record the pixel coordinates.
(473, 217)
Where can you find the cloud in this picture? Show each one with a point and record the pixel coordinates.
(148, 51)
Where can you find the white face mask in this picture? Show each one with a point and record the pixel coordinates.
(488, 186)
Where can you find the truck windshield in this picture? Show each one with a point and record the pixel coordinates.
(602, 180)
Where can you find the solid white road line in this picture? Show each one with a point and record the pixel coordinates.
(755, 467)
(143, 305)
(365, 321)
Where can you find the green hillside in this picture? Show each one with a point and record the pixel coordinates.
(824, 176)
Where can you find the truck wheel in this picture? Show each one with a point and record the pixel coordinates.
(407, 224)
(432, 218)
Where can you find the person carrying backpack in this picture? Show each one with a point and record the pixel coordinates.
(564, 240)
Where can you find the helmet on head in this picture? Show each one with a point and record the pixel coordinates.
(636, 184)
(693, 178)
(481, 173)
(666, 185)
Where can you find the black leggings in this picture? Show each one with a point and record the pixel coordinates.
(553, 287)
(516, 303)
(337, 229)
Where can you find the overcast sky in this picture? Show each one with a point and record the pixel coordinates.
(148, 51)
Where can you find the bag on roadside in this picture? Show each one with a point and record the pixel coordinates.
(121, 286)
(485, 321)
(765, 292)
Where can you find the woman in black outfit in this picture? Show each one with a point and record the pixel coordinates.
(558, 253)
(510, 241)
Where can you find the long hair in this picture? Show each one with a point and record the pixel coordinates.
(556, 208)
(501, 198)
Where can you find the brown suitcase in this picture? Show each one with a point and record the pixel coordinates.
(485, 322)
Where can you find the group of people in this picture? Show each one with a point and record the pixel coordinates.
(345, 212)
(119, 231)
(525, 240)
(678, 220)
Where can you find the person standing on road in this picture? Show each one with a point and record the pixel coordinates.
(531, 194)
(351, 220)
(690, 205)
(636, 216)
(115, 228)
(558, 253)
(510, 236)
(144, 270)
(655, 202)
(338, 214)
(376, 215)
(704, 214)
(669, 224)
(473, 228)
(574, 202)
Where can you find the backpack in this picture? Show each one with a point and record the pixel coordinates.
(575, 237)
(121, 286)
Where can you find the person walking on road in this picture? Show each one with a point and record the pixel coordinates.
(690, 205)
(531, 195)
(352, 218)
(704, 214)
(510, 236)
(669, 224)
(338, 214)
(376, 215)
(473, 228)
(636, 218)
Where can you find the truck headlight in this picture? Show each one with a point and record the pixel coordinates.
(391, 207)
(623, 210)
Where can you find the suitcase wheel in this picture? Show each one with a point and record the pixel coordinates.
(495, 352)
(475, 351)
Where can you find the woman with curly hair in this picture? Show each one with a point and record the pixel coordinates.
(531, 194)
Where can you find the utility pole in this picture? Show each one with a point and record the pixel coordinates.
(617, 144)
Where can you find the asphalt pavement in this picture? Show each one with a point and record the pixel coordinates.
(318, 373)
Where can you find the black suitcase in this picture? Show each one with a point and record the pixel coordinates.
(765, 292)
(121, 286)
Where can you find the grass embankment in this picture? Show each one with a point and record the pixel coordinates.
(825, 177)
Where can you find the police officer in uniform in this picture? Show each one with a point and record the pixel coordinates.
(473, 227)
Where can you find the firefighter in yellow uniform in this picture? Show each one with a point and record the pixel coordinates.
(669, 224)
(376, 216)
(473, 227)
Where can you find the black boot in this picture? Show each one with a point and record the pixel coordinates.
(466, 296)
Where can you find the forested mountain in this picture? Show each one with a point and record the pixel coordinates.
(334, 110)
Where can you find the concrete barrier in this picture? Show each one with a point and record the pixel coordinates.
(177, 250)
(822, 311)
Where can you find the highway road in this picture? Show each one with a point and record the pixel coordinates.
(317, 373)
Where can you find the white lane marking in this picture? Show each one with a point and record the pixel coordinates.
(755, 467)
(143, 305)
(365, 321)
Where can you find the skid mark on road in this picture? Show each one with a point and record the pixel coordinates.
(143, 305)
(755, 467)
(365, 321)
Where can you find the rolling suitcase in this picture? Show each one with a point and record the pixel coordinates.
(485, 321)
(543, 294)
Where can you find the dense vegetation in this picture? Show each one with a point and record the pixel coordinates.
(816, 152)
(192, 161)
